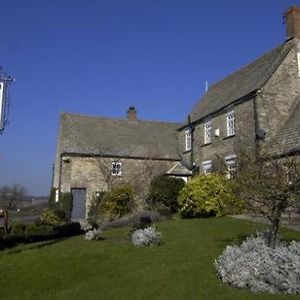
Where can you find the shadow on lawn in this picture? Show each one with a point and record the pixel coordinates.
(37, 245)
(237, 240)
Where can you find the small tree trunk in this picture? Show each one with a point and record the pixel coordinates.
(274, 233)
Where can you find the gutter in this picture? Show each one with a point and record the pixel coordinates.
(246, 97)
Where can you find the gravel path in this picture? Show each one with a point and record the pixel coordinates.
(292, 222)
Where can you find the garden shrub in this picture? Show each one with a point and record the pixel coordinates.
(18, 230)
(53, 217)
(164, 190)
(206, 195)
(36, 232)
(66, 204)
(260, 268)
(27, 233)
(93, 234)
(51, 201)
(68, 229)
(146, 237)
(117, 202)
(94, 209)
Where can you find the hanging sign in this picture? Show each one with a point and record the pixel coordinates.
(2, 105)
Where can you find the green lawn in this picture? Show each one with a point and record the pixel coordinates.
(181, 268)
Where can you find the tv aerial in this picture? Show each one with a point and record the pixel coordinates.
(5, 81)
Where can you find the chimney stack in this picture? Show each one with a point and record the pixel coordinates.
(292, 17)
(132, 114)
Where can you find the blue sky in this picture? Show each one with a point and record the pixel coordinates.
(98, 57)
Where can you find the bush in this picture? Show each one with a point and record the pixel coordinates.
(66, 204)
(146, 237)
(51, 201)
(93, 213)
(260, 268)
(206, 195)
(117, 202)
(53, 217)
(18, 230)
(164, 190)
(37, 232)
(67, 229)
(93, 234)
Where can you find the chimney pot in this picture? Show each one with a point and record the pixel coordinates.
(292, 17)
(131, 113)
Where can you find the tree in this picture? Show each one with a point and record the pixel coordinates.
(4, 195)
(12, 195)
(269, 187)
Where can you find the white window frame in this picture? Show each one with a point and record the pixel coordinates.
(116, 168)
(188, 140)
(231, 166)
(207, 132)
(207, 166)
(230, 120)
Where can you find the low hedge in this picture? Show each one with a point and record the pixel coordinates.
(37, 232)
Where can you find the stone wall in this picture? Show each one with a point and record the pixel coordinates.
(277, 99)
(221, 145)
(94, 174)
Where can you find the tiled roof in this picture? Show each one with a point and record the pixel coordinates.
(241, 83)
(117, 137)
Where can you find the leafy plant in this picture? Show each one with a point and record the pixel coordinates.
(94, 209)
(66, 204)
(164, 190)
(52, 217)
(117, 202)
(35, 232)
(206, 195)
(18, 230)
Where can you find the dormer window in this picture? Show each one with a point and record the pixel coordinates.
(188, 140)
(230, 123)
(207, 132)
(116, 168)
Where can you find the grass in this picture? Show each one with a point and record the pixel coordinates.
(181, 268)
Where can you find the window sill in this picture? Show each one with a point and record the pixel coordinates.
(228, 137)
(207, 144)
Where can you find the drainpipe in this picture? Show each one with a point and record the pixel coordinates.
(192, 129)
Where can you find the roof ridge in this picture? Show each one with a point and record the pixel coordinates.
(252, 63)
(117, 119)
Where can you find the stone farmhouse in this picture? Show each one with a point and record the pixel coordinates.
(256, 109)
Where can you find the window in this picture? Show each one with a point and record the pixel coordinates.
(188, 140)
(231, 166)
(206, 166)
(116, 168)
(230, 123)
(207, 132)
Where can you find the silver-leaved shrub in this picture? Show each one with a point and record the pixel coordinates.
(93, 234)
(260, 268)
(146, 237)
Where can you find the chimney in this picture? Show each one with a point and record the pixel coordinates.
(131, 113)
(292, 17)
